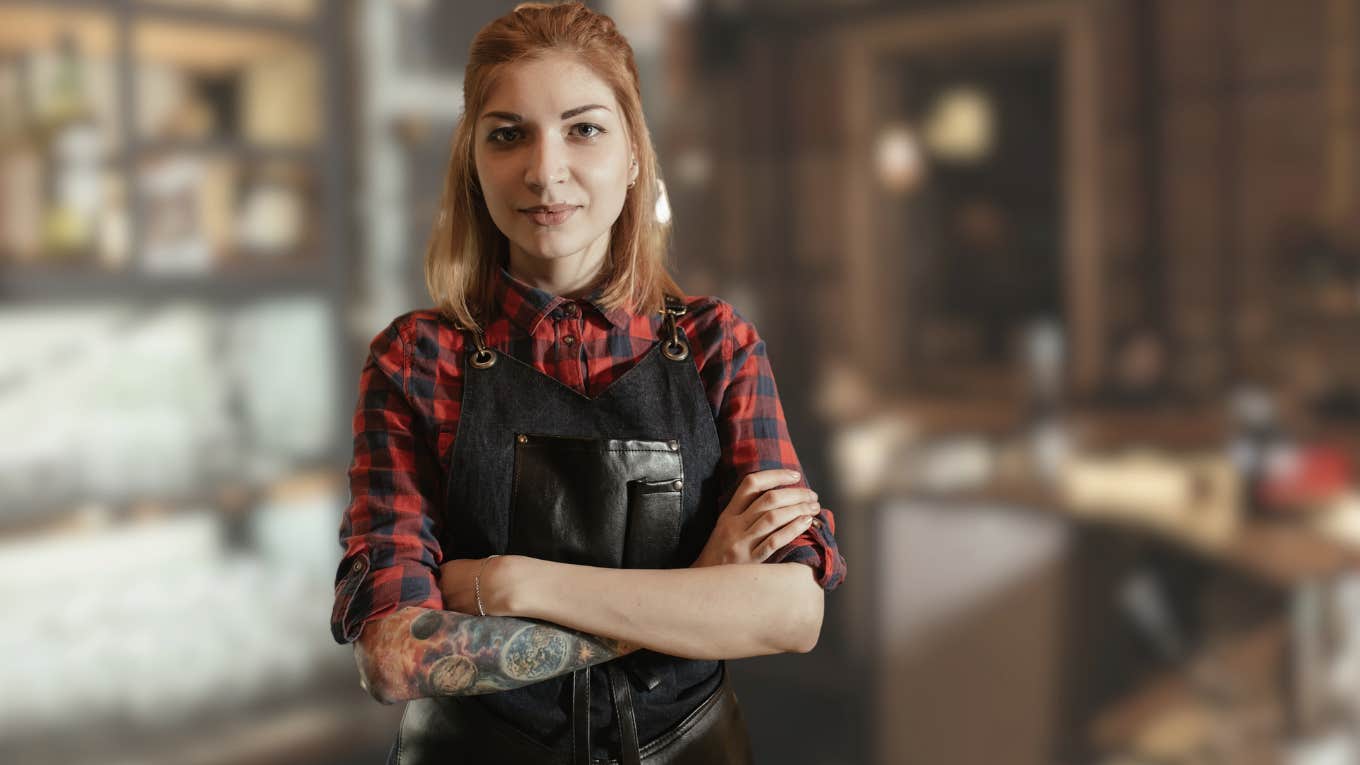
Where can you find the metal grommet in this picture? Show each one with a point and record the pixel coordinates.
(523, 439)
(358, 564)
(674, 445)
(676, 350)
(483, 358)
(677, 485)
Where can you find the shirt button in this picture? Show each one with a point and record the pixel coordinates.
(569, 339)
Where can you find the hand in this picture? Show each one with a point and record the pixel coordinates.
(457, 585)
(759, 519)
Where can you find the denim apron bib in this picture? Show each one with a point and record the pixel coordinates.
(623, 480)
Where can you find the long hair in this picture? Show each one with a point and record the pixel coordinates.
(466, 248)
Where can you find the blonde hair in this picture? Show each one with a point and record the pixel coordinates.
(466, 248)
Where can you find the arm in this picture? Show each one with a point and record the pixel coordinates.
(386, 594)
(420, 652)
(755, 437)
(716, 612)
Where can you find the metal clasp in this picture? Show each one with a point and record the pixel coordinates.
(674, 349)
(483, 357)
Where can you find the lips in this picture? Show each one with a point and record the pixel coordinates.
(549, 215)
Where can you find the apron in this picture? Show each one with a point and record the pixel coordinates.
(623, 480)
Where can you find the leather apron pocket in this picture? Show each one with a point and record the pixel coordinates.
(654, 509)
(606, 502)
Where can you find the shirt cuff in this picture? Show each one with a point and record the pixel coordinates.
(816, 548)
(362, 595)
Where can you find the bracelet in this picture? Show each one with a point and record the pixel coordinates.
(477, 583)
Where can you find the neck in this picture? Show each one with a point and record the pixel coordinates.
(569, 276)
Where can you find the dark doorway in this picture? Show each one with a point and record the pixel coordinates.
(984, 228)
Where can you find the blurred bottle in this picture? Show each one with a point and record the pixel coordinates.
(1044, 364)
(1256, 438)
(20, 163)
(72, 161)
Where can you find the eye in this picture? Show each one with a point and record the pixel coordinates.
(503, 135)
(588, 130)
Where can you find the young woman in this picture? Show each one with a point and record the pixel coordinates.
(570, 479)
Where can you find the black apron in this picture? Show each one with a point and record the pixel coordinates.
(623, 480)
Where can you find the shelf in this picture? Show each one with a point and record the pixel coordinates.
(236, 282)
(251, 152)
(29, 26)
(194, 44)
(298, 24)
(348, 726)
(312, 474)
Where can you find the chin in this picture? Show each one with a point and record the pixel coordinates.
(548, 252)
(552, 247)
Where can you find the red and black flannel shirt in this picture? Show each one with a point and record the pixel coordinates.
(410, 393)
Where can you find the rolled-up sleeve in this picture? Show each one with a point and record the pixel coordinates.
(391, 555)
(755, 437)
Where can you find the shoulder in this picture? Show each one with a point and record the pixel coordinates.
(712, 321)
(418, 345)
(422, 332)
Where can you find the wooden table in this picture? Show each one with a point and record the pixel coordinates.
(1284, 554)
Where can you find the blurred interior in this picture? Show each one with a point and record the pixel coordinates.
(1062, 298)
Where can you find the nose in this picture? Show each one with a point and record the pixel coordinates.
(547, 163)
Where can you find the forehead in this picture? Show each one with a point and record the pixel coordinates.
(548, 84)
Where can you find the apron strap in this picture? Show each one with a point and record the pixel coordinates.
(580, 716)
(623, 708)
(630, 753)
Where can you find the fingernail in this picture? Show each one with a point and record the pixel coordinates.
(793, 474)
(817, 523)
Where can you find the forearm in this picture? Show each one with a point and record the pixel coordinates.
(714, 612)
(419, 652)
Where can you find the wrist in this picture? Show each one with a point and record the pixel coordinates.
(501, 584)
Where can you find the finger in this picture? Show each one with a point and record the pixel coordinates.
(768, 521)
(757, 483)
(780, 537)
(776, 498)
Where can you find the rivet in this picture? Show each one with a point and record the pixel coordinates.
(523, 439)
(358, 564)
(677, 485)
(674, 445)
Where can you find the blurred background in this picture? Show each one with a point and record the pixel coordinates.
(1063, 299)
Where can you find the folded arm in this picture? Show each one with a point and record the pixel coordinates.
(421, 652)
(715, 612)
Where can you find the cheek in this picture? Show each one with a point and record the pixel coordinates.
(610, 180)
(486, 181)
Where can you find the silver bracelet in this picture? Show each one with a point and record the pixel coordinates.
(477, 583)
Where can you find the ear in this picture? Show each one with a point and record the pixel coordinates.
(633, 172)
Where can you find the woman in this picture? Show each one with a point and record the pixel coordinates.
(597, 465)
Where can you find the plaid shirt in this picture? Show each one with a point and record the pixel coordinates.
(410, 394)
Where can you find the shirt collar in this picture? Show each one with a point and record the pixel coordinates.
(526, 305)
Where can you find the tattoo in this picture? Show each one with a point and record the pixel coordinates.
(419, 652)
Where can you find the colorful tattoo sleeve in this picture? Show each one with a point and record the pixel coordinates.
(418, 652)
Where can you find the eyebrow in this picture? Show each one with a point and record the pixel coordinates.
(568, 114)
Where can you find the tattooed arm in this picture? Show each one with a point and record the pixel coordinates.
(420, 652)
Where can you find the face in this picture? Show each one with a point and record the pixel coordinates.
(553, 159)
